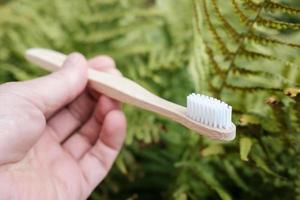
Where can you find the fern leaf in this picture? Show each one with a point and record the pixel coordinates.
(245, 147)
(275, 24)
(279, 114)
(226, 52)
(263, 40)
(214, 63)
(234, 34)
(243, 17)
(251, 5)
(281, 8)
(251, 89)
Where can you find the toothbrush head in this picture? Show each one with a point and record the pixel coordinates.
(209, 111)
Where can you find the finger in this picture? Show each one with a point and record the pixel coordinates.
(105, 105)
(70, 118)
(66, 121)
(79, 144)
(52, 92)
(96, 163)
(103, 63)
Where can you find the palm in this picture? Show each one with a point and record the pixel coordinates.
(74, 152)
(60, 170)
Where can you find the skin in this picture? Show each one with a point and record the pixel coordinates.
(58, 138)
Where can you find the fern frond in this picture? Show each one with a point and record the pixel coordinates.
(272, 6)
(251, 5)
(279, 114)
(251, 55)
(264, 40)
(226, 52)
(196, 16)
(243, 17)
(234, 33)
(213, 88)
(281, 8)
(243, 72)
(254, 54)
(257, 55)
(240, 51)
(238, 70)
(214, 63)
(250, 89)
(248, 35)
(275, 24)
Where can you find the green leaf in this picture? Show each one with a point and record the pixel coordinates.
(121, 165)
(214, 183)
(245, 147)
(213, 150)
(261, 164)
(181, 196)
(233, 174)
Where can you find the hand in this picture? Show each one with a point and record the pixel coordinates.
(58, 139)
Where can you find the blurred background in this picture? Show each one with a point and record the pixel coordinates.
(245, 52)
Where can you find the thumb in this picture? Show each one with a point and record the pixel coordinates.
(25, 106)
(50, 93)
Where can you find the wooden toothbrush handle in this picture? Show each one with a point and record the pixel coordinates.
(119, 88)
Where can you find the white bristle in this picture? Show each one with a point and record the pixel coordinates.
(209, 111)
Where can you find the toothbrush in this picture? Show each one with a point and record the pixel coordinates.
(205, 115)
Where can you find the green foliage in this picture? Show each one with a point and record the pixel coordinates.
(251, 57)
(245, 52)
(245, 147)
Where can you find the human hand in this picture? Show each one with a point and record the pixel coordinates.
(58, 139)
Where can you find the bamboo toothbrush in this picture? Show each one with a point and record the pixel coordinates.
(205, 115)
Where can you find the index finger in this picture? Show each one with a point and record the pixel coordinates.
(103, 63)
